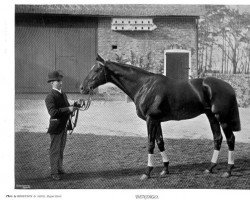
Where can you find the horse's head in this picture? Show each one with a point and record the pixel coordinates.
(96, 77)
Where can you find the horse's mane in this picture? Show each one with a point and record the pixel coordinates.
(130, 67)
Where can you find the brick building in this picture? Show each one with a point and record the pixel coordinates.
(163, 38)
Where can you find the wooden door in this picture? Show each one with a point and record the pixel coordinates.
(177, 65)
(34, 58)
(43, 44)
(75, 54)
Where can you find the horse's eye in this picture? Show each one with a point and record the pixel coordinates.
(98, 69)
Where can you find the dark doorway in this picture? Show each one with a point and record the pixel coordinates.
(177, 64)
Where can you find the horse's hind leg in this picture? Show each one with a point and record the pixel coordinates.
(215, 126)
(231, 144)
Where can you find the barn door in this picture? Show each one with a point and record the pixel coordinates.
(75, 54)
(67, 45)
(177, 64)
(46, 43)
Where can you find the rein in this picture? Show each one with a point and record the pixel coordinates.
(86, 105)
(83, 107)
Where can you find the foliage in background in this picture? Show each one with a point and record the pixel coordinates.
(224, 48)
(224, 41)
(145, 62)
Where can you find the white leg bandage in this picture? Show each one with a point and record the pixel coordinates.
(230, 157)
(164, 157)
(150, 160)
(215, 156)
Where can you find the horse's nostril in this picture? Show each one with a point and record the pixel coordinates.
(81, 89)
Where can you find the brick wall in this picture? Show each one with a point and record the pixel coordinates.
(170, 33)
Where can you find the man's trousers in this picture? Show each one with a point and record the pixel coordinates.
(57, 147)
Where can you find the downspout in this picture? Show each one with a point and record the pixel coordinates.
(197, 46)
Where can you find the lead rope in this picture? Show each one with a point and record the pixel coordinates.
(87, 104)
(83, 107)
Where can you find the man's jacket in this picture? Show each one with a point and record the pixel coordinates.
(57, 105)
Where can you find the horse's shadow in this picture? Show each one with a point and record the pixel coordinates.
(242, 168)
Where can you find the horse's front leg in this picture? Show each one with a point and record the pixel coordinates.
(160, 143)
(151, 146)
(155, 134)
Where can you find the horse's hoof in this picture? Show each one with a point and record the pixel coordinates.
(144, 177)
(226, 175)
(207, 171)
(164, 173)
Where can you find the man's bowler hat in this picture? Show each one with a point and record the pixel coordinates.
(55, 76)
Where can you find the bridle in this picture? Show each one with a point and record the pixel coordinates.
(84, 106)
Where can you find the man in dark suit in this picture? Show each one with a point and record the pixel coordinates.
(59, 110)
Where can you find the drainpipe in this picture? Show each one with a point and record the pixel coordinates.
(197, 46)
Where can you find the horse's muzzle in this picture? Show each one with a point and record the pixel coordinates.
(84, 89)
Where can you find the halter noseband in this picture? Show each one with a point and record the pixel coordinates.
(105, 75)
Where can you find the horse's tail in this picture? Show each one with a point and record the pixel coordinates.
(223, 102)
(234, 117)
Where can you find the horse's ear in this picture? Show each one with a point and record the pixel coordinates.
(100, 59)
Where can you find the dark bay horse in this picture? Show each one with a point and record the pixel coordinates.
(159, 98)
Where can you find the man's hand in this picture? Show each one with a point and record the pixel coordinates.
(72, 108)
(79, 103)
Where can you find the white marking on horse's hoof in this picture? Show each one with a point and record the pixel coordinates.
(144, 177)
(226, 175)
(164, 173)
(207, 171)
